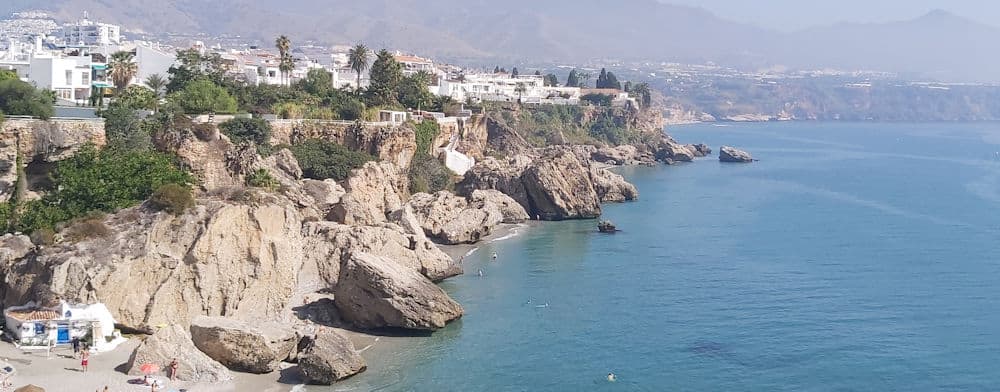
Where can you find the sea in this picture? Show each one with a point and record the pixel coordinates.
(850, 257)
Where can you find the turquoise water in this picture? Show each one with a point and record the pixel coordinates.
(851, 257)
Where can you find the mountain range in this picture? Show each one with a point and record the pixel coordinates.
(938, 45)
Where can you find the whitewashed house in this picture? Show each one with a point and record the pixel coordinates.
(37, 326)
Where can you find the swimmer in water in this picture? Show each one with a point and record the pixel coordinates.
(611, 377)
(494, 256)
(480, 272)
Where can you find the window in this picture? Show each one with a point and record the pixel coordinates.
(85, 77)
(69, 78)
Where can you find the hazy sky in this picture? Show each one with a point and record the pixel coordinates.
(796, 14)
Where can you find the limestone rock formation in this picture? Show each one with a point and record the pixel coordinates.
(620, 155)
(332, 244)
(730, 154)
(559, 187)
(504, 139)
(375, 292)
(700, 150)
(13, 248)
(324, 195)
(330, 357)
(256, 347)
(452, 220)
(669, 151)
(612, 187)
(511, 210)
(217, 259)
(372, 192)
(172, 342)
(501, 175)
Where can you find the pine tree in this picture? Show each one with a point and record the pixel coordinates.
(496, 69)
(602, 79)
(386, 76)
(538, 73)
(573, 80)
(551, 80)
(513, 72)
(611, 81)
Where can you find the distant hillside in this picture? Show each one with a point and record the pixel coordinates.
(939, 44)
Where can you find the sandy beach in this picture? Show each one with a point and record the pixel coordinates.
(60, 372)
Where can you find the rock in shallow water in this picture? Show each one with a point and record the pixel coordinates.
(375, 292)
(330, 357)
(730, 154)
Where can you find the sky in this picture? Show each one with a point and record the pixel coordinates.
(790, 15)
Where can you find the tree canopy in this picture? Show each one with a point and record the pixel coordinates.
(608, 80)
(202, 96)
(22, 99)
(573, 80)
(386, 76)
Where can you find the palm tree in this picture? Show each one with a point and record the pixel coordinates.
(122, 69)
(283, 44)
(158, 84)
(358, 57)
(520, 89)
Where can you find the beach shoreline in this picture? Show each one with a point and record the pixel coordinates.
(60, 372)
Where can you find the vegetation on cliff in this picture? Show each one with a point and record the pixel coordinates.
(96, 180)
(321, 159)
(426, 173)
(545, 125)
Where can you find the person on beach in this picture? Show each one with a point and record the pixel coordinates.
(173, 369)
(85, 359)
(76, 346)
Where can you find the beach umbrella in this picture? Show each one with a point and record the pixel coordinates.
(149, 368)
(30, 388)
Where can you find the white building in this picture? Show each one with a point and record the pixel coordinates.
(38, 326)
(413, 64)
(152, 60)
(89, 33)
(70, 77)
(506, 88)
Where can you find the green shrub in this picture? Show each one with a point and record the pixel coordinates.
(261, 178)
(255, 130)
(290, 110)
(172, 198)
(429, 175)
(321, 114)
(202, 96)
(23, 99)
(320, 159)
(425, 132)
(352, 109)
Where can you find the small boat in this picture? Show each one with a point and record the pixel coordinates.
(605, 226)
